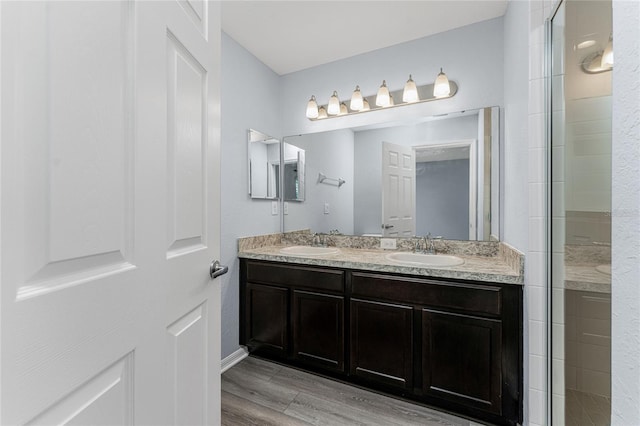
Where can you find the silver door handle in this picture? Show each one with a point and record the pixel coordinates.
(216, 269)
(386, 226)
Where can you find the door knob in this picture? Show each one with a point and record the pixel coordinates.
(216, 269)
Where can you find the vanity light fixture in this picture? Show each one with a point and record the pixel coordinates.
(598, 62)
(410, 92)
(334, 104)
(607, 55)
(357, 103)
(382, 98)
(442, 88)
(312, 108)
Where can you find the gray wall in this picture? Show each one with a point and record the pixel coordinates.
(442, 199)
(332, 154)
(368, 167)
(471, 55)
(250, 95)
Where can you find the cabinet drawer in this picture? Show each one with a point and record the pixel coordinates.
(296, 276)
(483, 299)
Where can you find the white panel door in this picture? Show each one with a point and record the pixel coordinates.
(109, 212)
(398, 190)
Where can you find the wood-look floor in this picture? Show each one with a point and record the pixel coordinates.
(258, 392)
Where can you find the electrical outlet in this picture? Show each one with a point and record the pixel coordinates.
(388, 243)
(326, 208)
(285, 208)
(274, 208)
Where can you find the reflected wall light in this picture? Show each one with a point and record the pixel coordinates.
(442, 88)
(601, 61)
(607, 55)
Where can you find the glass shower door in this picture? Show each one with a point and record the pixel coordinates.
(580, 188)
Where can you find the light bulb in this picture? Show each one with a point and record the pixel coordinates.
(312, 108)
(365, 105)
(441, 88)
(607, 55)
(322, 113)
(334, 104)
(356, 100)
(382, 98)
(410, 93)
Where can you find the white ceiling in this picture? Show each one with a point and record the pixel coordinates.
(293, 35)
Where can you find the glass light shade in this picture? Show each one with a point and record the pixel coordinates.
(410, 93)
(365, 105)
(322, 113)
(356, 100)
(343, 109)
(391, 101)
(607, 55)
(441, 87)
(382, 98)
(334, 104)
(312, 108)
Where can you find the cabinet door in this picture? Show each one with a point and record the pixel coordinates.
(382, 343)
(318, 329)
(266, 321)
(462, 359)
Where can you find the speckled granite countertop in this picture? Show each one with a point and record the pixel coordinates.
(503, 264)
(580, 271)
(586, 278)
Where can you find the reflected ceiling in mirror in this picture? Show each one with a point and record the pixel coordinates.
(451, 191)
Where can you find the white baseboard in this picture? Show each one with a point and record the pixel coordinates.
(233, 359)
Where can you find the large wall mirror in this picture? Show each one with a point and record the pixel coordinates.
(264, 165)
(436, 174)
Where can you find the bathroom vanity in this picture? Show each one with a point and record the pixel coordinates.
(447, 337)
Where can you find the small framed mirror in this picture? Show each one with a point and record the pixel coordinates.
(264, 166)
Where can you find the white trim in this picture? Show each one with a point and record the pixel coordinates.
(233, 359)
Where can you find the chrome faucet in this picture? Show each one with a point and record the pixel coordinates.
(319, 240)
(429, 247)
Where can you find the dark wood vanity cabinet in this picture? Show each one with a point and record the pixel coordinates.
(293, 313)
(461, 359)
(452, 344)
(382, 343)
(318, 329)
(266, 321)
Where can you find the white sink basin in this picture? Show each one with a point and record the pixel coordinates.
(605, 269)
(419, 259)
(309, 251)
